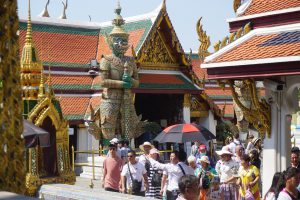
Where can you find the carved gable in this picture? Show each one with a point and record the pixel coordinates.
(155, 51)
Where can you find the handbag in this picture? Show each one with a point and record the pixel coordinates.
(249, 195)
(136, 185)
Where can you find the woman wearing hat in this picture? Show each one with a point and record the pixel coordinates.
(145, 147)
(206, 173)
(227, 169)
(154, 176)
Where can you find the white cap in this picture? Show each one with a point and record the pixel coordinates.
(114, 141)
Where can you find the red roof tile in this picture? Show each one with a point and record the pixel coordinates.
(217, 91)
(200, 73)
(70, 80)
(63, 47)
(134, 39)
(229, 110)
(74, 105)
(262, 6)
(95, 103)
(252, 49)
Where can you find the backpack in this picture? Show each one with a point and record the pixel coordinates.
(204, 181)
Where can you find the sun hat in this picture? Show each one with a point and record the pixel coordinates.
(202, 146)
(225, 150)
(255, 140)
(146, 144)
(204, 159)
(114, 141)
(154, 151)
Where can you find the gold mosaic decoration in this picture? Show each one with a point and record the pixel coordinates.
(12, 168)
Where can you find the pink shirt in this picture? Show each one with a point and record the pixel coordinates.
(113, 168)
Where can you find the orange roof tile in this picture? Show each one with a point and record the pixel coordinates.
(63, 47)
(74, 105)
(217, 91)
(200, 73)
(70, 80)
(254, 48)
(229, 110)
(262, 6)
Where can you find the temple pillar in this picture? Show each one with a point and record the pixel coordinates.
(187, 118)
(277, 148)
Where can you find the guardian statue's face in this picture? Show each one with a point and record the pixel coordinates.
(119, 45)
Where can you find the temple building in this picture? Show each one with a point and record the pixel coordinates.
(263, 48)
(169, 92)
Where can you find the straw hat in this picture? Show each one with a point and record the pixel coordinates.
(225, 150)
(255, 140)
(146, 144)
(204, 159)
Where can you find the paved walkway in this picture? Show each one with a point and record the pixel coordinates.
(82, 191)
(12, 196)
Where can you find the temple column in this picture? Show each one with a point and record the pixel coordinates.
(277, 148)
(187, 118)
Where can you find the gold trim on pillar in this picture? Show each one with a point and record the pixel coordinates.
(260, 112)
(187, 101)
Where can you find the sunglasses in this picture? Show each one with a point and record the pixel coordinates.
(130, 156)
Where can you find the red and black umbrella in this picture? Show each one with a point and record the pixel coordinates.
(180, 133)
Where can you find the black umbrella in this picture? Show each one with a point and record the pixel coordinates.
(35, 135)
(206, 133)
(180, 133)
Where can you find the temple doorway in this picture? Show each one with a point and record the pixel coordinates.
(160, 107)
(49, 154)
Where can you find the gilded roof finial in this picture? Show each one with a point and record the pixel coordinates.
(28, 38)
(118, 30)
(45, 12)
(164, 5)
(64, 15)
(204, 41)
(42, 90)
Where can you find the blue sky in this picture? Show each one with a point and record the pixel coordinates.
(183, 13)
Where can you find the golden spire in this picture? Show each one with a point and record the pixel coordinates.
(42, 90)
(28, 39)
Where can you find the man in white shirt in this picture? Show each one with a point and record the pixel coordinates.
(236, 141)
(145, 147)
(133, 171)
(173, 172)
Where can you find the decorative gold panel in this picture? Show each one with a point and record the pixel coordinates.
(12, 167)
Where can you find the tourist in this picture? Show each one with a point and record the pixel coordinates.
(295, 157)
(276, 187)
(257, 145)
(188, 186)
(112, 166)
(205, 174)
(239, 152)
(192, 161)
(236, 141)
(115, 141)
(173, 171)
(254, 158)
(227, 169)
(124, 150)
(145, 147)
(250, 145)
(248, 178)
(215, 192)
(134, 176)
(292, 180)
(194, 148)
(154, 177)
(228, 140)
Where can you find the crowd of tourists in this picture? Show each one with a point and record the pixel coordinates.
(234, 175)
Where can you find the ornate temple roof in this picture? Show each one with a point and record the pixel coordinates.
(67, 48)
(273, 45)
(263, 6)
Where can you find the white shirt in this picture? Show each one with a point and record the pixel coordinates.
(233, 145)
(270, 196)
(142, 159)
(226, 169)
(137, 170)
(174, 172)
(284, 196)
